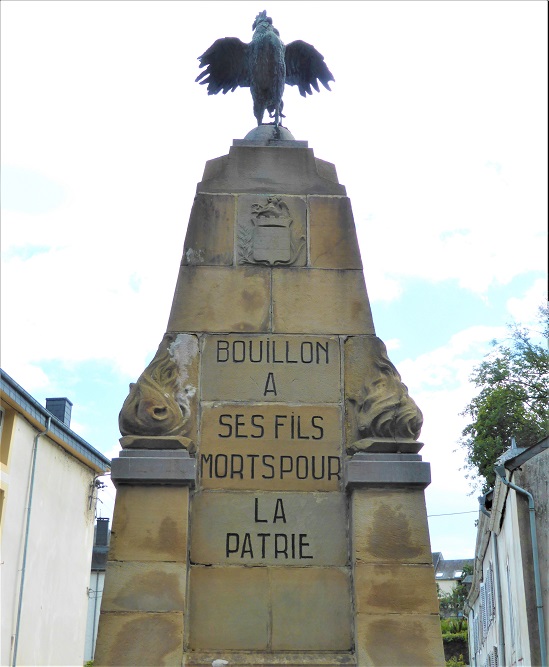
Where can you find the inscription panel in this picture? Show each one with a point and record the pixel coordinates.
(270, 447)
(271, 368)
(269, 529)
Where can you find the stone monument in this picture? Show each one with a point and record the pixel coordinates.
(270, 495)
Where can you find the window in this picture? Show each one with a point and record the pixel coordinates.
(439, 575)
(458, 574)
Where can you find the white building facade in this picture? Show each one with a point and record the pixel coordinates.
(48, 495)
(97, 583)
(507, 615)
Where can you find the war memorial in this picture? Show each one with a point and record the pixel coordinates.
(270, 491)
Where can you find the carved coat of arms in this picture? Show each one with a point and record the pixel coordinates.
(269, 239)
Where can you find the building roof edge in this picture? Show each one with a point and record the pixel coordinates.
(63, 433)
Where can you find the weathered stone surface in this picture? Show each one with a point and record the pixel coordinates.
(390, 526)
(138, 586)
(388, 640)
(368, 470)
(150, 524)
(158, 442)
(271, 230)
(275, 658)
(140, 640)
(172, 467)
(334, 243)
(311, 609)
(210, 234)
(218, 299)
(304, 368)
(229, 608)
(269, 529)
(284, 170)
(395, 588)
(270, 447)
(321, 301)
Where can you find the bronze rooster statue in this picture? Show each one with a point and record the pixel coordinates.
(264, 65)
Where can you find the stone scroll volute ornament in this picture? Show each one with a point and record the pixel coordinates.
(382, 408)
(159, 402)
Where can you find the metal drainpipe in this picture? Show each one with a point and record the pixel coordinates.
(94, 628)
(502, 473)
(26, 543)
(501, 632)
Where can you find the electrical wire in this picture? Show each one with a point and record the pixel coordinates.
(453, 513)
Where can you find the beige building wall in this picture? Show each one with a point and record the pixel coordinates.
(55, 600)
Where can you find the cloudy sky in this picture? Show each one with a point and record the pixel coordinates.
(437, 125)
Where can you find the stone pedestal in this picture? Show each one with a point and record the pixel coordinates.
(144, 602)
(307, 536)
(396, 606)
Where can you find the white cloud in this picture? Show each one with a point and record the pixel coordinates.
(449, 366)
(525, 310)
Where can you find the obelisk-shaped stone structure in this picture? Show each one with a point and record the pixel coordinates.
(270, 506)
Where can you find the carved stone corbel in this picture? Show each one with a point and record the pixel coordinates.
(158, 406)
(383, 415)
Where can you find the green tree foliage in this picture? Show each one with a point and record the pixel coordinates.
(452, 604)
(513, 400)
(456, 662)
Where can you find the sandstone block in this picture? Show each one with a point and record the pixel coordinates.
(299, 529)
(276, 659)
(390, 526)
(277, 368)
(321, 301)
(395, 588)
(388, 640)
(209, 238)
(311, 609)
(291, 171)
(334, 243)
(139, 640)
(229, 608)
(138, 586)
(219, 299)
(270, 447)
(150, 524)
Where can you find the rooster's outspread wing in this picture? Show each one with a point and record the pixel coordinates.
(226, 63)
(305, 66)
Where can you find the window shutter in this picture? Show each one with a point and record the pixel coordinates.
(483, 609)
(489, 596)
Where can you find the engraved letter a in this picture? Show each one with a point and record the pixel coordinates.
(270, 387)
